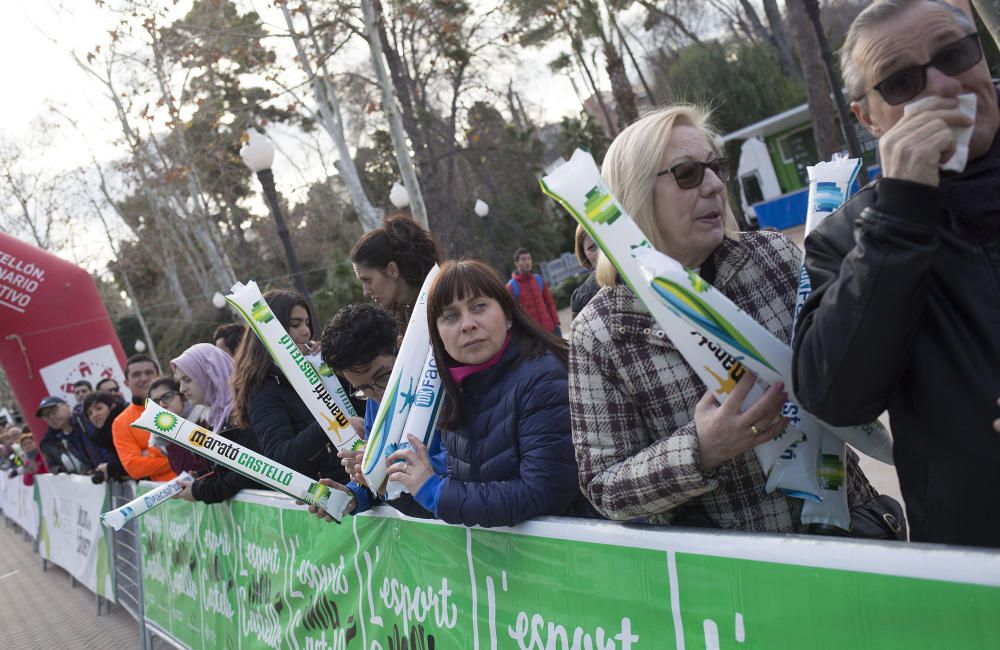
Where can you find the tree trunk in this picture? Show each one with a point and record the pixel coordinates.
(396, 129)
(755, 24)
(825, 129)
(677, 22)
(612, 126)
(201, 221)
(158, 213)
(401, 86)
(628, 50)
(333, 124)
(621, 89)
(166, 253)
(779, 37)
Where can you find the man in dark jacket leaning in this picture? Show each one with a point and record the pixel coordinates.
(905, 309)
(64, 445)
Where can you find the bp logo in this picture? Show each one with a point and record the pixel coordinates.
(600, 206)
(165, 421)
(260, 312)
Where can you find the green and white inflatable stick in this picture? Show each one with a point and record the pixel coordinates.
(422, 419)
(577, 185)
(326, 406)
(333, 385)
(117, 518)
(401, 391)
(247, 462)
(829, 187)
(706, 309)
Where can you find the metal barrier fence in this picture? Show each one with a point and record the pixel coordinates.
(126, 551)
(562, 267)
(271, 575)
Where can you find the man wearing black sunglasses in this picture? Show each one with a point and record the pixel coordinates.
(905, 309)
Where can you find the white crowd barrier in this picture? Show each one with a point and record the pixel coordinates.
(18, 503)
(260, 572)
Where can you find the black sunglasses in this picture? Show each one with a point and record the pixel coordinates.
(367, 391)
(690, 174)
(165, 397)
(952, 59)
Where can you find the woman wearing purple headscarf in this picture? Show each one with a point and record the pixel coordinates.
(203, 371)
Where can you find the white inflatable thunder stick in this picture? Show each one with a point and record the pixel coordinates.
(829, 187)
(578, 186)
(710, 312)
(329, 408)
(139, 506)
(249, 463)
(423, 416)
(401, 391)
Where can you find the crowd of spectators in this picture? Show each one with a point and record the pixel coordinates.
(615, 423)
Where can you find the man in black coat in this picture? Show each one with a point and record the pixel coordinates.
(64, 444)
(905, 309)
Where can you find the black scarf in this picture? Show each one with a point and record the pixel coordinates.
(973, 197)
(103, 436)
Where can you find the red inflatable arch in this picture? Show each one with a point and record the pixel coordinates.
(54, 328)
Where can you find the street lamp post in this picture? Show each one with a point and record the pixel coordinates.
(258, 154)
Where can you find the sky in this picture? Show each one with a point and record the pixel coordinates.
(36, 39)
(39, 37)
(43, 34)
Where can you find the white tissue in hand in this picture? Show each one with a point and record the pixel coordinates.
(963, 134)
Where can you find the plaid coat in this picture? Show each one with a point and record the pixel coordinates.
(632, 400)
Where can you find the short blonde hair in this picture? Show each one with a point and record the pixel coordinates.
(580, 250)
(631, 165)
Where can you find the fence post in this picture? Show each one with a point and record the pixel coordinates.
(127, 557)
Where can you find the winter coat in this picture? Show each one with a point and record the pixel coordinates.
(584, 294)
(905, 316)
(537, 302)
(633, 397)
(34, 466)
(182, 460)
(102, 438)
(512, 458)
(287, 431)
(139, 459)
(67, 451)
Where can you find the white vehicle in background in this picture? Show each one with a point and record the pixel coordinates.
(772, 166)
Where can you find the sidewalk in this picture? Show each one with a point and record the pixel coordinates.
(38, 609)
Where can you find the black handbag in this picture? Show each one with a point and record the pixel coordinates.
(880, 518)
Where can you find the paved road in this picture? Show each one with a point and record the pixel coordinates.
(39, 609)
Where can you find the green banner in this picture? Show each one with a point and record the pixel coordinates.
(257, 573)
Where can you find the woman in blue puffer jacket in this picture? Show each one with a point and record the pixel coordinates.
(504, 424)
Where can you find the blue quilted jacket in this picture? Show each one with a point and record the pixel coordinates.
(513, 458)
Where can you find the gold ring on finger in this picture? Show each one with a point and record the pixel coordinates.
(756, 431)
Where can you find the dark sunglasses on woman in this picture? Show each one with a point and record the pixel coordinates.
(690, 174)
(952, 59)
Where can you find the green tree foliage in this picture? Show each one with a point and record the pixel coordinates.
(584, 132)
(741, 81)
(222, 55)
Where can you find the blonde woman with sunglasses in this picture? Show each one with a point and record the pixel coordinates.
(652, 442)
